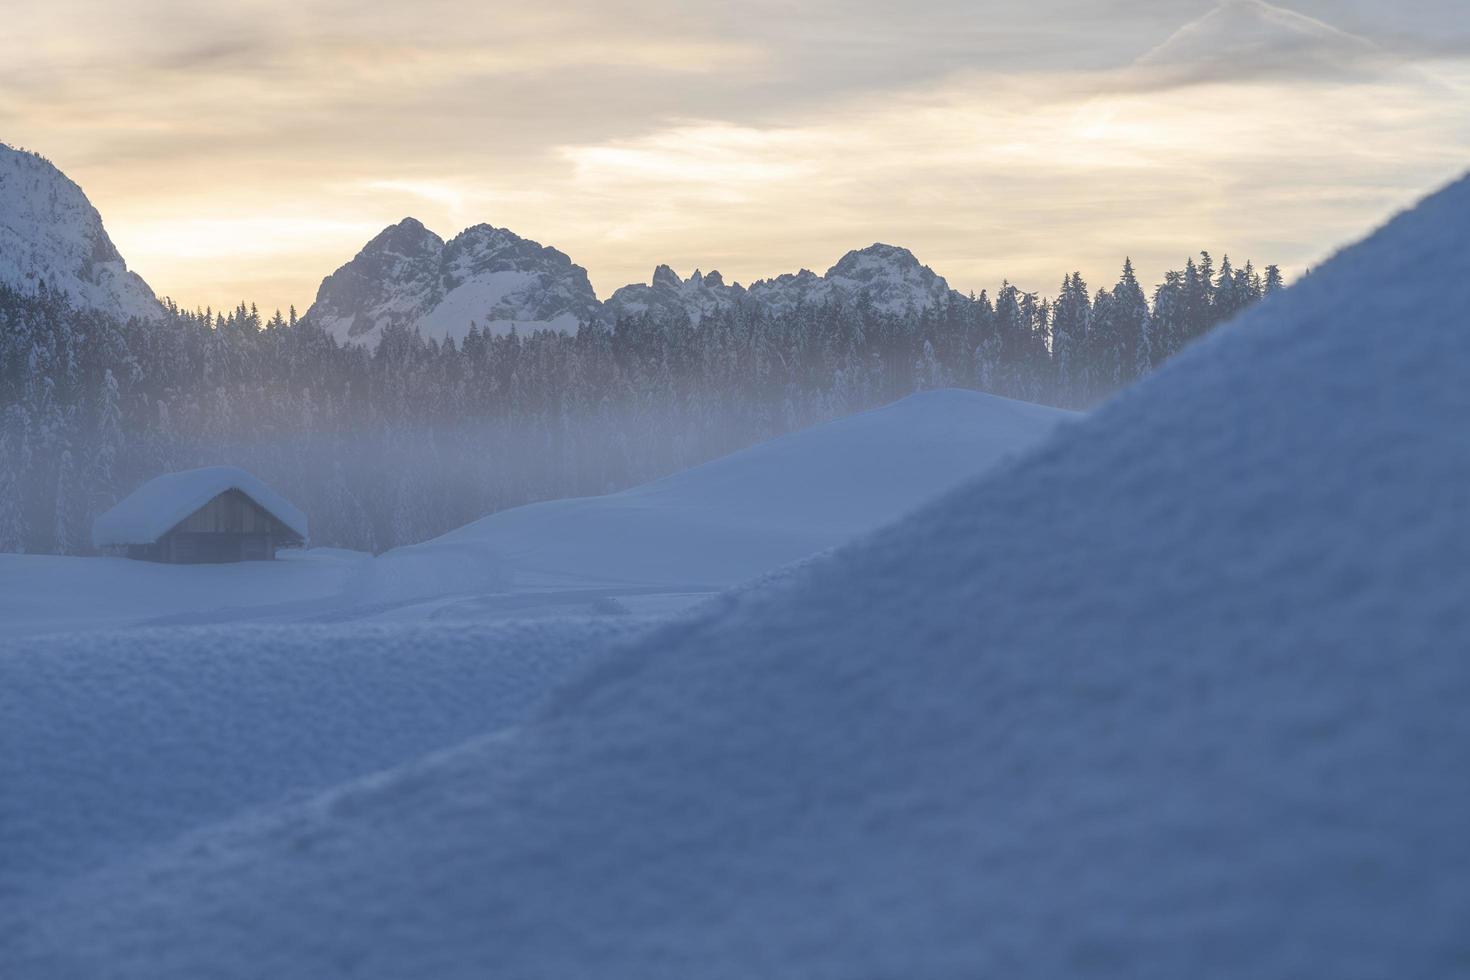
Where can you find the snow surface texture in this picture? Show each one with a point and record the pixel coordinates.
(150, 511)
(409, 276)
(50, 232)
(1180, 694)
(53, 594)
(118, 741)
(732, 519)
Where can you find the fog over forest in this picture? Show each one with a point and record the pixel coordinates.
(404, 442)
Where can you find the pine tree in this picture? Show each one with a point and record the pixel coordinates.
(1070, 346)
(63, 527)
(108, 442)
(1130, 315)
(1273, 282)
(1169, 324)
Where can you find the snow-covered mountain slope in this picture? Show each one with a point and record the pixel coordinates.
(697, 297)
(887, 276)
(891, 278)
(113, 742)
(49, 232)
(1180, 694)
(408, 275)
(732, 519)
(490, 276)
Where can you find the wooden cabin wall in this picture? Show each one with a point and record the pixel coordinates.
(233, 513)
(230, 528)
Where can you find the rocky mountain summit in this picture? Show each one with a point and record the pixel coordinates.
(50, 233)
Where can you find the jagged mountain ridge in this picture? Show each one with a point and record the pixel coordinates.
(51, 233)
(890, 277)
(408, 275)
(698, 296)
(491, 276)
(496, 279)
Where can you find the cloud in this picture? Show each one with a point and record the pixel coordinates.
(996, 139)
(1244, 39)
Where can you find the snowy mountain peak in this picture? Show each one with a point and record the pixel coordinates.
(409, 276)
(877, 252)
(51, 233)
(668, 295)
(408, 233)
(889, 277)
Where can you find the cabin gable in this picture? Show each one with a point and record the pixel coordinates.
(212, 514)
(231, 527)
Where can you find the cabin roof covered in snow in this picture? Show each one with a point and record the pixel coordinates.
(149, 512)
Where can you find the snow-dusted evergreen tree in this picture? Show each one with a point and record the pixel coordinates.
(1129, 326)
(1169, 325)
(1070, 344)
(107, 443)
(1273, 281)
(12, 463)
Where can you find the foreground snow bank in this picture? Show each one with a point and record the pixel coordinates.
(110, 742)
(1180, 695)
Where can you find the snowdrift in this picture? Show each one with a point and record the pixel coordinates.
(1181, 694)
(737, 517)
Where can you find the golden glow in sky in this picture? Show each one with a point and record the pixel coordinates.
(247, 154)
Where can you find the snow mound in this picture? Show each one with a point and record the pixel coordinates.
(118, 741)
(147, 513)
(1181, 694)
(737, 517)
(51, 233)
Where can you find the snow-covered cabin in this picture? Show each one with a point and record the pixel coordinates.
(214, 514)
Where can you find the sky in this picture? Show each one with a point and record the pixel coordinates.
(245, 151)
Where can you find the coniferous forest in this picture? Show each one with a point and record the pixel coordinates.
(399, 444)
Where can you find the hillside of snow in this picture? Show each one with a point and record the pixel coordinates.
(732, 519)
(1179, 694)
(492, 277)
(51, 233)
